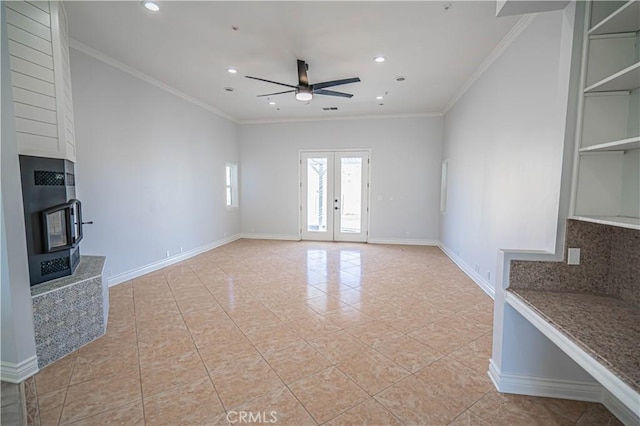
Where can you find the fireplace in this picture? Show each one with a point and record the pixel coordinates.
(53, 217)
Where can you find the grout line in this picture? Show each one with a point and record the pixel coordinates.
(135, 325)
(215, 389)
(66, 392)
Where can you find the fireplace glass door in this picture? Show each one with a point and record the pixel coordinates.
(57, 233)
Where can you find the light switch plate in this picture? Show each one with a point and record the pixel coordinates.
(573, 256)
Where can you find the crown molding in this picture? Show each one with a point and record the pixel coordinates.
(354, 117)
(96, 54)
(506, 41)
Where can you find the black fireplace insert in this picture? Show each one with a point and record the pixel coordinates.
(53, 217)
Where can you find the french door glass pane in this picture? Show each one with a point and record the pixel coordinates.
(317, 195)
(351, 195)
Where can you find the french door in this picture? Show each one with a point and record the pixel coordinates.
(334, 195)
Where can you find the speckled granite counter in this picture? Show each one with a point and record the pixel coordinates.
(70, 312)
(606, 328)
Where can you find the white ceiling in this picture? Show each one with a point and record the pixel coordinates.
(189, 45)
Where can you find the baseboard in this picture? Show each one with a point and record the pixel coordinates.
(405, 242)
(135, 273)
(494, 374)
(283, 237)
(618, 409)
(477, 278)
(549, 388)
(17, 373)
(563, 389)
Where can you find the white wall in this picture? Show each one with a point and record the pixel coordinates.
(405, 166)
(150, 170)
(17, 346)
(509, 142)
(504, 140)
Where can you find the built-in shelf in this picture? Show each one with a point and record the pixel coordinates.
(625, 19)
(621, 221)
(621, 145)
(572, 339)
(627, 79)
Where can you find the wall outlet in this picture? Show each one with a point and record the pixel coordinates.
(225, 234)
(408, 233)
(477, 268)
(181, 249)
(573, 256)
(488, 275)
(168, 253)
(379, 197)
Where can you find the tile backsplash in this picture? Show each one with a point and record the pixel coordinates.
(609, 264)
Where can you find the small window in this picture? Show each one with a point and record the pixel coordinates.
(443, 186)
(231, 185)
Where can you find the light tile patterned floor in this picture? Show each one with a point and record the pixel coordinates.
(317, 333)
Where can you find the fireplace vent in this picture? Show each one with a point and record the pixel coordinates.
(47, 178)
(52, 266)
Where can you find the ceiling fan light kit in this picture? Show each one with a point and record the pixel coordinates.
(304, 94)
(304, 91)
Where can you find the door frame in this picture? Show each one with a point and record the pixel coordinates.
(300, 189)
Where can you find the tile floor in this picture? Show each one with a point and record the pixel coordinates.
(297, 332)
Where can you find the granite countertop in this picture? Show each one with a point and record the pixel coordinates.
(88, 268)
(608, 329)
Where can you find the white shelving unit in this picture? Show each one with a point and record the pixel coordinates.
(607, 177)
(621, 145)
(622, 20)
(626, 79)
(621, 221)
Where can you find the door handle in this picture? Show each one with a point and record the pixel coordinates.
(336, 207)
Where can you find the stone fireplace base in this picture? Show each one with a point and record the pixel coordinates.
(70, 312)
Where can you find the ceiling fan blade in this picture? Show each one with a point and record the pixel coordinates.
(334, 83)
(277, 93)
(269, 81)
(332, 93)
(303, 79)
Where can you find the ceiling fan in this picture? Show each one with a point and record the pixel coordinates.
(305, 91)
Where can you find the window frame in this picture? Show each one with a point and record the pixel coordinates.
(231, 185)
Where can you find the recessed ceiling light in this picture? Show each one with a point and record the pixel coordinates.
(152, 6)
(400, 79)
(271, 103)
(232, 70)
(229, 89)
(379, 59)
(379, 98)
(381, 104)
